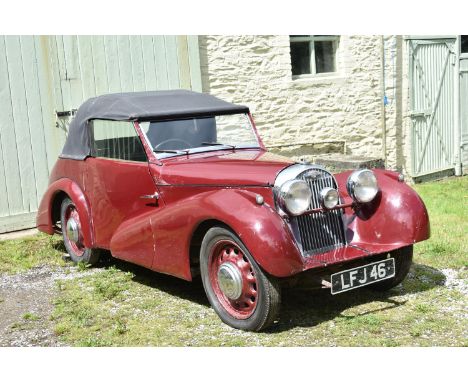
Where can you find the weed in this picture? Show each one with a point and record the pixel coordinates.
(82, 266)
(423, 308)
(120, 326)
(31, 316)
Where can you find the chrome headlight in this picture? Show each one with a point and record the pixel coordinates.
(329, 197)
(294, 196)
(362, 186)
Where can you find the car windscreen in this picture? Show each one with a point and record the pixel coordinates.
(173, 137)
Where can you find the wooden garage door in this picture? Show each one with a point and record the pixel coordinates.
(43, 79)
(432, 105)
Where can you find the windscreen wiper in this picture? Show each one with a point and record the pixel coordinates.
(172, 151)
(217, 144)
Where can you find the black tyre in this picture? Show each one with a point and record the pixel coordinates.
(403, 260)
(72, 235)
(242, 295)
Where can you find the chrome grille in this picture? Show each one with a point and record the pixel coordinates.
(321, 231)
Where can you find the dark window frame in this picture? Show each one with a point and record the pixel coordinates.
(312, 39)
(464, 45)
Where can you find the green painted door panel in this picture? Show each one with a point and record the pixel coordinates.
(42, 75)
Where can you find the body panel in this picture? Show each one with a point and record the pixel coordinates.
(157, 235)
(114, 189)
(396, 217)
(258, 226)
(73, 187)
(251, 167)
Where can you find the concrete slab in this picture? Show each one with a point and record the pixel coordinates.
(18, 234)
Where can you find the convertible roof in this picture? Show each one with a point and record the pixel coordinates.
(151, 105)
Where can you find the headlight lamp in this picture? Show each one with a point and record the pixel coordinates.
(294, 196)
(362, 186)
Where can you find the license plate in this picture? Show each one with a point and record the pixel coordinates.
(360, 276)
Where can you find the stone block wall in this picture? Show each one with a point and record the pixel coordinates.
(338, 110)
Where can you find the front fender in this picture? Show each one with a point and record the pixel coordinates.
(44, 215)
(260, 228)
(396, 218)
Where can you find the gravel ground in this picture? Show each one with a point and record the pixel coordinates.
(26, 305)
(452, 281)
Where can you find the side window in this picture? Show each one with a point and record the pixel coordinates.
(116, 140)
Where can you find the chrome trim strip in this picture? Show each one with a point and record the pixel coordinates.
(293, 171)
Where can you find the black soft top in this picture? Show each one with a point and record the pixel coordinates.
(140, 106)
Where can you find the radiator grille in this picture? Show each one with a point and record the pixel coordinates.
(322, 231)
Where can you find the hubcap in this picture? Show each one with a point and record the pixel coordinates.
(233, 279)
(72, 227)
(230, 280)
(73, 232)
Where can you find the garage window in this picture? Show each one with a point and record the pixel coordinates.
(313, 54)
(464, 44)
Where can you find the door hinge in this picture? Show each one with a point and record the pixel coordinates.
(66, 113)
(421, 113)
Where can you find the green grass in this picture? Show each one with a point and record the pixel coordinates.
(126, 305)
(23, 254)
(447, 203)
(31, 316)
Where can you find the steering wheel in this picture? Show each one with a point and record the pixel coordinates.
(187, 144)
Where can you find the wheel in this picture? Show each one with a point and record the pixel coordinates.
(403, 260)
(72, 235)
(242, 295)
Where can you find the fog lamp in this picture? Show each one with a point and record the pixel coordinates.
(329, 197)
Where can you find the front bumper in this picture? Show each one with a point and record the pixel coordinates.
(347, 253)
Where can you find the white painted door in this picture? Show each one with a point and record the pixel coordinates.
(432, 71)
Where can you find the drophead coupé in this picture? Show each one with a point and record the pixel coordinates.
(181, 183)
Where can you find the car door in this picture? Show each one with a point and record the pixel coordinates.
(119, 188)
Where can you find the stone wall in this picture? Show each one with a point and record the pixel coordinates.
(336, 112)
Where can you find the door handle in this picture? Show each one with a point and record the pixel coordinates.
(152, 196)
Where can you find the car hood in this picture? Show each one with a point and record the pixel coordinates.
(230, 168)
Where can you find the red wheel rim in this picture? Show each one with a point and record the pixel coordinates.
(227, 252)
(77, 246)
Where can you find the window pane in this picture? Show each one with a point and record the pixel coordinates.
(464, 44)
(324, 56)
(300, 58)
(200, 134)
(117, 140)
(235, 130)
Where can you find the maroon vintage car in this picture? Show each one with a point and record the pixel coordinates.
(180, 182)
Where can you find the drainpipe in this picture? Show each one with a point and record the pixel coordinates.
(456, 111)
(383, 101)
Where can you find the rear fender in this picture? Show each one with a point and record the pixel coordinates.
(44, 215)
